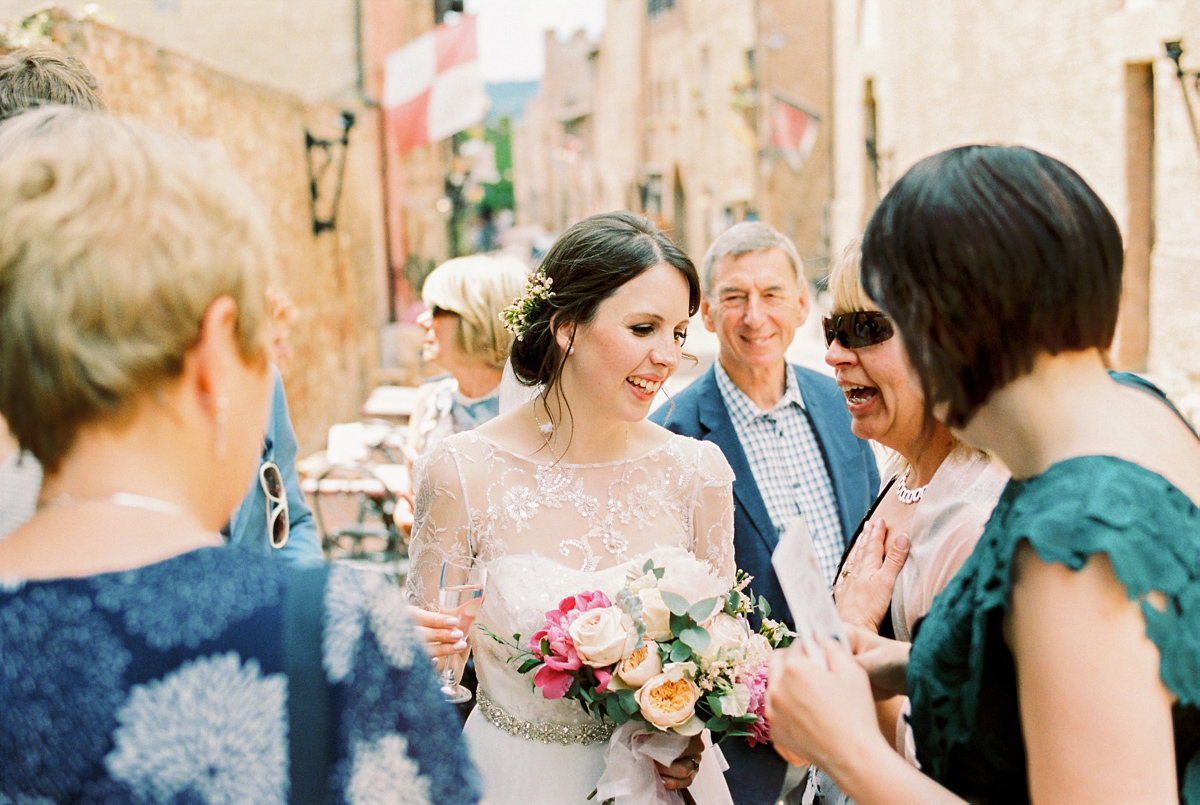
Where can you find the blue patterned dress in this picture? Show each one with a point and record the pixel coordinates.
(166, 684)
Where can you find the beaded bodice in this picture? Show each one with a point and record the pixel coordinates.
(548, 530)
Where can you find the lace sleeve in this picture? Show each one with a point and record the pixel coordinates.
(441, 525)
(712, 518)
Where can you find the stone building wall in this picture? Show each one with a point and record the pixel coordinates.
(1086, 81)
(335, 278)
(677, 123)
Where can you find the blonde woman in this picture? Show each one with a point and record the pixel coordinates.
(142, 660)
(465, 336)
(931, 510)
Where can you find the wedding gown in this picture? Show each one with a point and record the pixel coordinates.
(547, 530)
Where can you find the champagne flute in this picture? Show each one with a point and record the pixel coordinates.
(460, 593)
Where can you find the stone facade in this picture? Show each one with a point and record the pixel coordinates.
(1083, 80)
(255, 77)
(677, 126)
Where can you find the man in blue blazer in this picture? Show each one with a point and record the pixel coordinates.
(785, 431)
(249, 528)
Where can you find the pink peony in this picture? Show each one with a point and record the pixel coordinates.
(582, 602)
(555, 676)
(757, 683)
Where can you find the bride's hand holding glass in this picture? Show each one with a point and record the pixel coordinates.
(440, 634)
(460, 596)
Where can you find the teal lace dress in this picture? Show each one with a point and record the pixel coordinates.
(961, 676)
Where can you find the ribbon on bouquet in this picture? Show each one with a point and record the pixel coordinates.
(630, 776)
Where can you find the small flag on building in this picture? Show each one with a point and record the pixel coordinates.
(793, 130)
(433, 86)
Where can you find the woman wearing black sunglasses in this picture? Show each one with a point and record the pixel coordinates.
(1060, 664)
(939, 495)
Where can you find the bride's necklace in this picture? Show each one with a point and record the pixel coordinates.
(127, 500)
(547, 431)
(907, 495)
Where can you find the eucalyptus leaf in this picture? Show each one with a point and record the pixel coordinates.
(628, 701)
(675, 602)
(680, 652)
(702, 610)
(696, 638)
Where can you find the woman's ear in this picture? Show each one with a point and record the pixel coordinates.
(564, 334)
(215, 348)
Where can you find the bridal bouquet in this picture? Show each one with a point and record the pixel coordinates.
(672, 652)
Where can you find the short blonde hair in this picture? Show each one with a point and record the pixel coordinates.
(477, 289)
(845, 280)
(114, 241)
(38, 75)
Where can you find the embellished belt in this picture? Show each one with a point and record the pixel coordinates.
(565, 734)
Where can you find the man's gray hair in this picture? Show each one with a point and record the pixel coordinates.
(743, 238)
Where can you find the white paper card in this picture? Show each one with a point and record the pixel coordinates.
(804, 586)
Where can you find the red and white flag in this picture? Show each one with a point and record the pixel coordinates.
(793, 131)
(433, 86)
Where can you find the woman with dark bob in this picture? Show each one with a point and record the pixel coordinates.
(571, 492)
(142, 660)
(1061, 663)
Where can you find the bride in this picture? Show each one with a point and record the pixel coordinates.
(571, 491)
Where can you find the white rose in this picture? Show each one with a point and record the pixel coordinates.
(726, 634)
(640, 666)
(759, 648)
(691, 578)
(655, 615)
(600, 636)
(668, 700)
(736, 702)
(643, 581)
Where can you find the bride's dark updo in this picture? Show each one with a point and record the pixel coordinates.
(587, 264)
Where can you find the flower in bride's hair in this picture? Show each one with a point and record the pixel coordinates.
(668, 700)
(603, 636)
(516, 315)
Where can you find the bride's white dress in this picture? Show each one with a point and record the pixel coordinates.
(547, 530)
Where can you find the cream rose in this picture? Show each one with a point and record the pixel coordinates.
(639, 667)
(726, 634)
(603, 636)
(691, 578)
(759, 648)
(668, 700)
(655, 615)
(736, 702)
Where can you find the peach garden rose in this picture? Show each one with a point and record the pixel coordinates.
(668, 700)
(640, 666)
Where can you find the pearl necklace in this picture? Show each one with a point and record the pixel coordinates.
(128, 500)
(907, 495)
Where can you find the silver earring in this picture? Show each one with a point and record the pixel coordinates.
(570, 350)
(222, 419)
